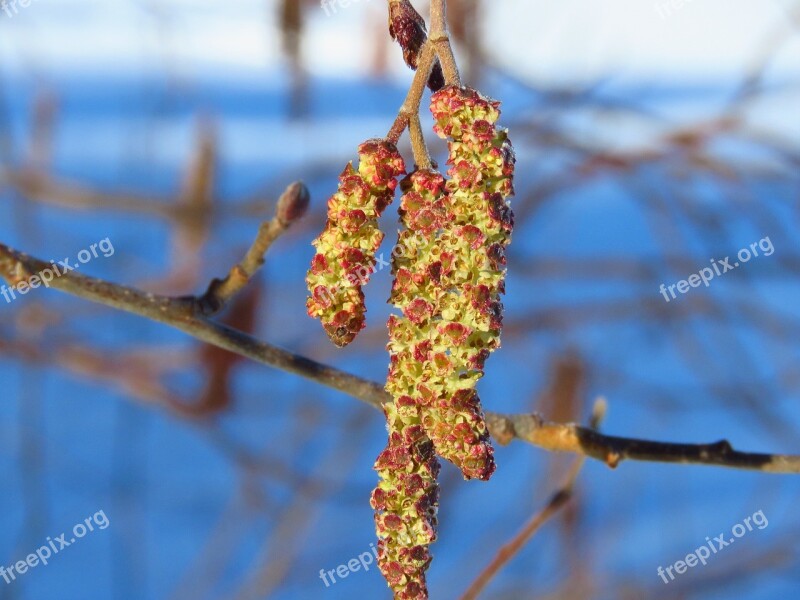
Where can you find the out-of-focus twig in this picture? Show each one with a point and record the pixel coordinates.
(556, 503)
(291, 206)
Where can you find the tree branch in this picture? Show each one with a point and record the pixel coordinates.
(292, 205)
(612, 450)
(441, 39)
(410, 107)
(184, 314)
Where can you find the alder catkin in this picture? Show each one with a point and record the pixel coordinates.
(345, 257)
(406, 501)
(472, 279)
(449, 269)
(406, 498)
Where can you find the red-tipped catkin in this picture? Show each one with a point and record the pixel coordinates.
(449, 268)
(406, 501)
(481, 180)
(440, 343)
(346, 248)
(406, 498)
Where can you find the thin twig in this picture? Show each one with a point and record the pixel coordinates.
(182, 314)
(411, 105)
(512, 548)
(557, 501)
(441, 39)
(612, 450)
(220, 291)
(37, 186)
(417, 136)
(437, 46)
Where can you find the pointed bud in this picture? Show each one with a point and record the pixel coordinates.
(293, 203)
(407, 26)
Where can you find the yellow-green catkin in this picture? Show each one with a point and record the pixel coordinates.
(481, 162)
(346, 248)
(449, 269)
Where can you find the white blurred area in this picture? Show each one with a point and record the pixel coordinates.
(545, 41)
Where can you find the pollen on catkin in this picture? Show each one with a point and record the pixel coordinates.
(471, 279)
(431, 358)
(406, 498)
(346, 248)
(406, 501)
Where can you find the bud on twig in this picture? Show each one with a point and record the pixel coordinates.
(407, 26)
(293, 203)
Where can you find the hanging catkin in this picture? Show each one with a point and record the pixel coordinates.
(346, 248)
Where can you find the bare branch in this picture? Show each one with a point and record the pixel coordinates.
(292, 205)
(183, 314)
(441, 39)
(557, 501)
(612, 450)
